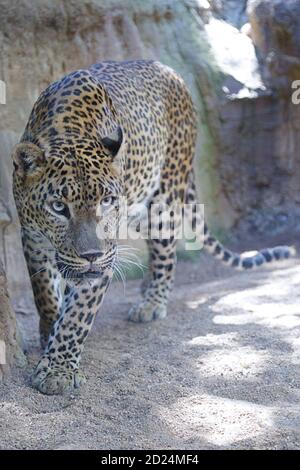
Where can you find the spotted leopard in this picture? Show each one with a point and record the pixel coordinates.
(115, 130)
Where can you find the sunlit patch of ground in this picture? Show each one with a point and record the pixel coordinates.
(275, 303)
(221, 420)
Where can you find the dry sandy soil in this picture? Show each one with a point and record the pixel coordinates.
(220, 372)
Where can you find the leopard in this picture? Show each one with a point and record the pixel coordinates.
(97, 136)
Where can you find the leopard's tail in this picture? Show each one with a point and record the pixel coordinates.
(247, 259)
(241, 261)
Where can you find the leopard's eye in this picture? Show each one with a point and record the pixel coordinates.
(60, 208)
(108, 201)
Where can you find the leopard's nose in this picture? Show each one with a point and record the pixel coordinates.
(91, 255)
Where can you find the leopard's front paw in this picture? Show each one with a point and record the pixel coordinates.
(145, 311)
(55, 379)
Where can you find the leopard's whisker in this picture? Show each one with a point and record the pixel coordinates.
(120, 275)
(37, 272)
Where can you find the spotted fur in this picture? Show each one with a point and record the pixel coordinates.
(116, 129)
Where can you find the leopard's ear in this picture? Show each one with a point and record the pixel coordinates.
(28, 159)
(113, 141)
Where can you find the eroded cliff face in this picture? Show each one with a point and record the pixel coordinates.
(266, 154)
(10, 340)
(247, 160)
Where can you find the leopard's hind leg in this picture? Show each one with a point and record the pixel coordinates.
(165, 218)
(162, 263)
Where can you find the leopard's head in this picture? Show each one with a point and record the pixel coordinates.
(69, 194)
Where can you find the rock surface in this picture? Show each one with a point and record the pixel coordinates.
(10, 342)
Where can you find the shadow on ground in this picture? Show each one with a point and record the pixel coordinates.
(222, 371)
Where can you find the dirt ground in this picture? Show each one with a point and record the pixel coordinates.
(220, 372)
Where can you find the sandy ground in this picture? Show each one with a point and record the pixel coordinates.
(221, 372)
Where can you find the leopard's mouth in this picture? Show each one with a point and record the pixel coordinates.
(89, 274)
(69, 271)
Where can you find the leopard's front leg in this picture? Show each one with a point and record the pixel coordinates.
(58, 369)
